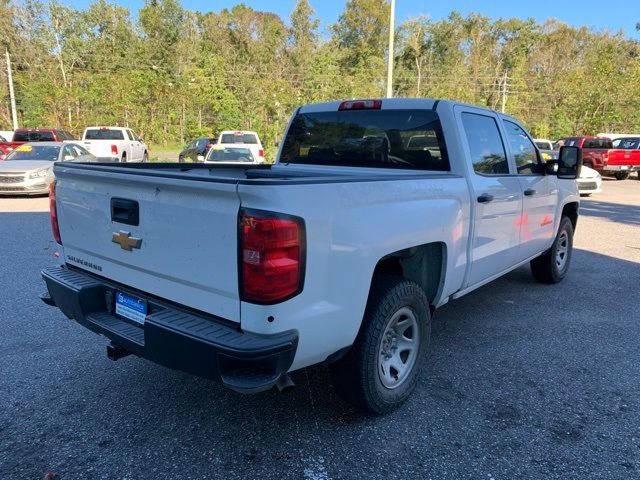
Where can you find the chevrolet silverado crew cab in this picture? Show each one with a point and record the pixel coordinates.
(115, 143)
(375, 213)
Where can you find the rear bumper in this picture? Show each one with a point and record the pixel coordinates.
(173, 337)
(622, 168)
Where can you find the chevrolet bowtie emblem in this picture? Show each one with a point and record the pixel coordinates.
(126, 241)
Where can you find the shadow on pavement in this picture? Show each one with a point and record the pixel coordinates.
(615, 212)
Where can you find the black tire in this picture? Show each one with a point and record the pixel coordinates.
(145, 157)
(548, 268)
(358, 376)
(124, 158)
(621, 175)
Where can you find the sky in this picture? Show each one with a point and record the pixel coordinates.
(612, 15)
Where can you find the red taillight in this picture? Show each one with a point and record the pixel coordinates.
(53, 213)
(361, 105)
(114, 150)
(208, 146)
(271, 256)
(261, 153)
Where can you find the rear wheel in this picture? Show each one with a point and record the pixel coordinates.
(124, 158)
(621, 175)
(384, 364)
(553, 265)
(145, 157)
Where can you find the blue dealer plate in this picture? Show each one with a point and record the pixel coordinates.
(131, 307)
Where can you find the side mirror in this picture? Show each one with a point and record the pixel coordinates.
(569, 163)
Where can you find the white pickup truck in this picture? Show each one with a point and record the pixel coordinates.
(244, 139)
(115, 143)
(376, 213)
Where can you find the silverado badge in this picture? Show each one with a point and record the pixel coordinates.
(126, 241)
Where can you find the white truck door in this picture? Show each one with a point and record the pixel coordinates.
(539, 193)
(134, 145)
(496, 196)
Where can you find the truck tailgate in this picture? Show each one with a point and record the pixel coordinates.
(187, 229)
(102, 148)
(624, 157)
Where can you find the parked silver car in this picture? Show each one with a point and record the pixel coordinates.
(28, 170)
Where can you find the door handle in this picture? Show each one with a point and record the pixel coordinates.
(485, 198)
(529, 192)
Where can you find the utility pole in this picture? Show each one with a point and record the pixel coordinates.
(504, 92)
(14, 113)
(390, 62)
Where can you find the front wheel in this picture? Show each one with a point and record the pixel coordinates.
(621, 175)
(553, 265)
(145, 157)
(384, 364)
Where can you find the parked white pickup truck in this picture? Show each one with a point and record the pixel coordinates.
(244, 139)
(116, 143)
(376, 213)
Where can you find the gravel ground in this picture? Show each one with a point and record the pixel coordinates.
(524, 381)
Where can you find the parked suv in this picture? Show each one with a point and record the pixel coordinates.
(197, 150)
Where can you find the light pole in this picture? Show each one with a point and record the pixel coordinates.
(14, 115)
(390, 60)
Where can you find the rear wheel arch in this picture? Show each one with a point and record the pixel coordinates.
(423, 264)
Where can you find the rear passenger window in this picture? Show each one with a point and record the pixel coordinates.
(485, 145)
(524, 152)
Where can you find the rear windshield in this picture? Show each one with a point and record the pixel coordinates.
(103, 134)
(34, 152)
(407, 139)
(229, 154)
(597, 143)
(248, 138)
(33, 137)
(629, 143)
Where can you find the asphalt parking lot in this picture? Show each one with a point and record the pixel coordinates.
(524, 381)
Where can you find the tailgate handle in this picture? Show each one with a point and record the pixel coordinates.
(125, 211)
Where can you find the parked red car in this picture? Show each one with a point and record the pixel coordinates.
(24, 135)
(598, 153)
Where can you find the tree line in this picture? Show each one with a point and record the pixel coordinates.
(173, 74)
